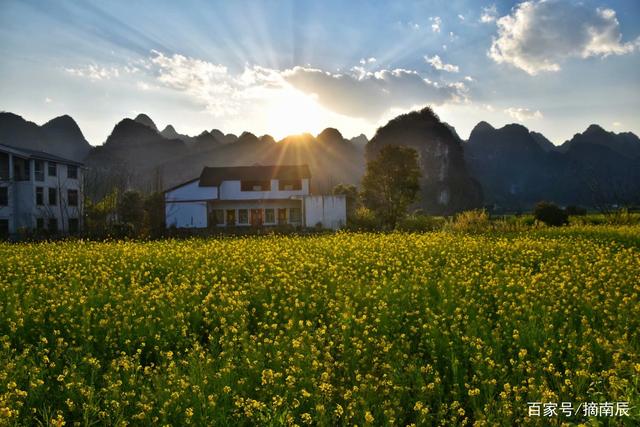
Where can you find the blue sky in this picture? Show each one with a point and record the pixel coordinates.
(282, 67)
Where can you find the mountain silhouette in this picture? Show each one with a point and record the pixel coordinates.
(446, 186)
(60, 136)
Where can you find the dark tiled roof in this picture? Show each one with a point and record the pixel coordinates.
(214, 176)
(40, 155)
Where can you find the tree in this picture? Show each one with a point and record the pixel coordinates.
(351, 196)
(131, 209)
(391, 183)
(550, 214)
(154, 217)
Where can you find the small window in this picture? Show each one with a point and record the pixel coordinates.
(269, 216)
(39, 196)
(255, 185)
(53, 169)
(231, 217)
(39, 170)
(73, 225)
(4, 228)
(72, 172)
(53, 225)
(290, 184)
(295, 215)
(4, 196)
(39, 224)
(218, 217)
(72, 197)
(243, 216)
(53, 196)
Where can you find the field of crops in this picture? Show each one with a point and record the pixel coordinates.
(397, 329)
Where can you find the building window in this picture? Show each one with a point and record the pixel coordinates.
(53, 169)
(269, 216)
(72, 197)
(53, 225)
(39, 224)
(39, 170)
(4, 196)
(73, 225)
(231, 217)
(72, 172)
(290, 184)
(53, 196)
(218, 217)
(4, 228)
(39, 196)
(255, 185)
(295, 215)
(243, 216)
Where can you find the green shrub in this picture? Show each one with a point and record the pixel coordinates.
(364, 220)
(550, 214)
(420, 223)
(574, 210)
(475, 221)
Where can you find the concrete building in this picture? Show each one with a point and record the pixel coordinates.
(38, 192)
(258, 196)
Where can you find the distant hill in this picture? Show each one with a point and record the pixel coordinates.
(60, 136)
(517, 168)
(446, 185)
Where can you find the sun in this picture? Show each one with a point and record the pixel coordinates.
(292, 112)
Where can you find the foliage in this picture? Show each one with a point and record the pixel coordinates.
(420, 223)
(391, 183)
(364, 220)
(550, 214)
(337, 329)
(351, 195)
(154, 214)
(573, 210)
(474, 221)
(131, 209)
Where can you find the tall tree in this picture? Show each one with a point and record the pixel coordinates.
(391, 183)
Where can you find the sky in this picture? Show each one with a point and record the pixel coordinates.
(291, 66)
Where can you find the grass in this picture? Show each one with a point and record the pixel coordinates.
(443, 328)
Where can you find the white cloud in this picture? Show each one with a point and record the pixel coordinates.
(370, 60)
(523, 114)
(357, 93)
(436, 24)
(539, 34)
(95, 72)
(461, 17)
(437, 63)
(489, 14)
(48, 100)
(616, 124)
(469, 78)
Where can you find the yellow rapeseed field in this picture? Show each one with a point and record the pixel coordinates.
(349, 328)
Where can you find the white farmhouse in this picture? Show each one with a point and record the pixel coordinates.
(255, 196)
(39, 191)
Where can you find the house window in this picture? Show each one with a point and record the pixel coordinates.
(73, 225)
(53, 169)
(72, 197)
(39, 196)
(255, 185)
(243, 216)
(290, 184)
(53, 197)
(39, 170)
(4, 196)
(53, 225)
(295, 215)
(218, 217)
(269, 216)
(231, 217)
(72, 172)
(4, 228)
(39, 224)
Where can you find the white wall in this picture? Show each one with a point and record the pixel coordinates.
(230, 190)
(191, 191)
(186, 214)
(330, 211)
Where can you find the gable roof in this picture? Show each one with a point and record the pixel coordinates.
(35, 154)
(213, 176)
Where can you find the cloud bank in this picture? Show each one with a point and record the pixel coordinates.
(523, 114)
(539, 34)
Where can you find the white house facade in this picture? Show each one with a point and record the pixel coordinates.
(38, 192)
(258, 196)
